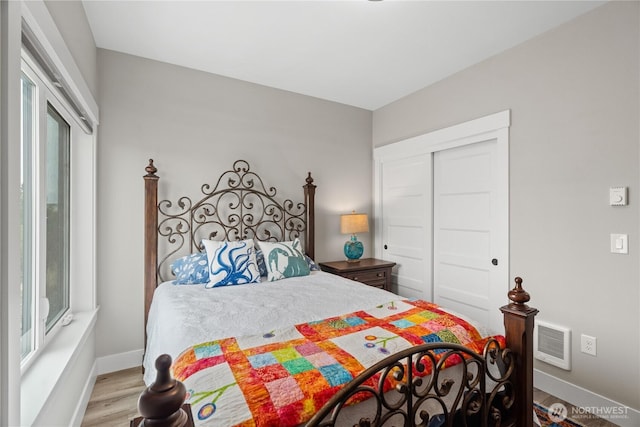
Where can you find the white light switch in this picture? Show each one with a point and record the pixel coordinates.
(619, 244)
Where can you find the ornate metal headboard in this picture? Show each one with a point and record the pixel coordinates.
(239, 206)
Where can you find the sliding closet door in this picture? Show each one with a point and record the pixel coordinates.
(441, 206)
(469, 231)
(403, 213)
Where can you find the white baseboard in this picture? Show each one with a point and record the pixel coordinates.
(81, 408)
(603, 407)
(118, 362)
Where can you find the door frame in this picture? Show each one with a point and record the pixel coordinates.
(492, 127)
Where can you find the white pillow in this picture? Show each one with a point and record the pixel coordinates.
(231, 263)
(284, 259)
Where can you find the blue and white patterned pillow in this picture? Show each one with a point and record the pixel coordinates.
(284, 259)
(312, 264)
(191, 269)
(231, 263)
(262, 267)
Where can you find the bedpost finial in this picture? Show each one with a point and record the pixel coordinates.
(518, 295)
(162, 400)
(151, 169)
(309, 180)
(163, 376)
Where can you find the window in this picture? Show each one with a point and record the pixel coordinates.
(54, 164)
(47, 129)
(57, 205)
(26, 227)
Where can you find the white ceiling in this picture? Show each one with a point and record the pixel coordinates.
(361, 53)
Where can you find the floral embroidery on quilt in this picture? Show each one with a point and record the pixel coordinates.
(283, 376)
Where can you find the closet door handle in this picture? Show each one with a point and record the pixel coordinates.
(494, 261)
(385, 247)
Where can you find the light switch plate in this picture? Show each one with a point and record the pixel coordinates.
(619, 244)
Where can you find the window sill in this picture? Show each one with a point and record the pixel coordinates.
(42, 377)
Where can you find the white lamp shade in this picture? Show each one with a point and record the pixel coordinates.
(354, 223)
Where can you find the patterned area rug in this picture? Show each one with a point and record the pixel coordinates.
(555, 416)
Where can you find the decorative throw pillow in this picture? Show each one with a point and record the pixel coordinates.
(284, 259)
(191, 269)
(312, 264)
(262, 267)
(231, 263)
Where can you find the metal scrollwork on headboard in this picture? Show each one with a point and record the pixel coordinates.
(238, 207)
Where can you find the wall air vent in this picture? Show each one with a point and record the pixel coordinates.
(552, 344)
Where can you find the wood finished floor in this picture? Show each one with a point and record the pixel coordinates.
(114, 401)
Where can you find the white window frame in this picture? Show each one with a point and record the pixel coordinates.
(46, 93)
(29, 398)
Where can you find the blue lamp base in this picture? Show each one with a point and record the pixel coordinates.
(353, 249)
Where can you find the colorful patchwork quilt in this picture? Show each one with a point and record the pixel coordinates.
(282, 377)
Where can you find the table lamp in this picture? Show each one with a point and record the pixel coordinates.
(351, 224)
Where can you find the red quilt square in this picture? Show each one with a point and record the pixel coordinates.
(271, 372)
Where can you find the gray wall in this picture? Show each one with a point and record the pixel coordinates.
(195, 125)
(73, 25)
(574, 97)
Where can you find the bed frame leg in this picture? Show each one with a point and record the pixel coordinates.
(518, 323)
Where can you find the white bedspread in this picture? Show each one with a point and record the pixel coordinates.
(181, 316)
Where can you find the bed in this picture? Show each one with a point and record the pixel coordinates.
(302, 346)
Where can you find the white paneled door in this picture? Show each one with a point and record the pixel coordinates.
(406, 208)
(469, 228)
(441, 207)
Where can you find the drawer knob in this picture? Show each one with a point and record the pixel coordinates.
(380, 274)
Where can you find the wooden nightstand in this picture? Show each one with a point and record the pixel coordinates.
(370, 271)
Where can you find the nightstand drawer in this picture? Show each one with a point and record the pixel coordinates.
(370, 271)
(374, 278)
